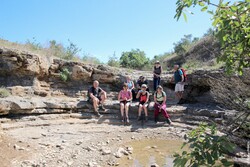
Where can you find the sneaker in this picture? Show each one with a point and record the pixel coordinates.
(102, 108)
(97, 113)
(127, 120)
(139, 118)
(169, 121)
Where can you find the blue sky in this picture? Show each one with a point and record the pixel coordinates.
(100, 27)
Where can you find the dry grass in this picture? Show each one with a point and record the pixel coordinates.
(4, 92)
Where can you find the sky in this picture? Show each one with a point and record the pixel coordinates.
(100, 27)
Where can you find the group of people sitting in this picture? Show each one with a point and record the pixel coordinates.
(129, 93)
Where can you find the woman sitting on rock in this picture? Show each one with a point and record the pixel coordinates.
(160, 104)
(143, 96)
(125, 97)
(131, 87)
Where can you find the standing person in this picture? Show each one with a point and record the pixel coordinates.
(131, 87)
(142, 80)
(157, 74)
(179, 82)
(143, 96)
(125, 97)
(97, 96)
(160, 104)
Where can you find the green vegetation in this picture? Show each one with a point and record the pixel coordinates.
(206, 148)
(232, 25)
(114, 61)
(135, 59)
(4, 92)
(65, 75)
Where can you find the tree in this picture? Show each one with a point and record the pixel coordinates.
(71, 51)
(184, 44)
(135, 59)
(113, 61)
(232, 25)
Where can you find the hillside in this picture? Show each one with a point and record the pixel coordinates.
(201, 55)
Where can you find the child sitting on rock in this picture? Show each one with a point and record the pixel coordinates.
(143, 96)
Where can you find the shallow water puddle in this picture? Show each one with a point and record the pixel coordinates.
(150, 151)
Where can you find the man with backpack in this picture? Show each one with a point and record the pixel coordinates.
(179, 79)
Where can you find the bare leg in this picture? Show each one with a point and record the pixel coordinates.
(103, 97)
(122, 109)
(95, 103)
(126, 109)
(145, 110)
(139, 111)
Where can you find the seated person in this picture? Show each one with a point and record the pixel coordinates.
(142, 80)
(125, 97)
(131, 86)
(143, 96)
(160, 104)
(96, 96)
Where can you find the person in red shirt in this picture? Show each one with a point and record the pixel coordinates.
(143, 96)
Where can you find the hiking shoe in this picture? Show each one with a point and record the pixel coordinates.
(169, 121)
(97, 113)
(139, 118)
(127, 120)
(181, 101)
(102, 108)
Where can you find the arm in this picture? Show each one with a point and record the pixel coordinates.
(131, 96)
(133, 85)
(104, 93)
(138, 94)
(155, 100)
(182, 78)
(164, 100)
(160, 72)
(147, 97)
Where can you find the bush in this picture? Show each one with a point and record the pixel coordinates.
(134, 59)
(65, 74)
(206, 148)
(4, 92)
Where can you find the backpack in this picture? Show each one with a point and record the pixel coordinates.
(184, 74)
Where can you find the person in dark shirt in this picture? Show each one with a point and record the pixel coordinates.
(142, 80)
(97, 96)
(157, 71)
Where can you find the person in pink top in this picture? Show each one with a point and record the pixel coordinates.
(125, 97)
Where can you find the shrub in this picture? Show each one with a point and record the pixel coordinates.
(4, 92)
(65, 74)
(206, 148)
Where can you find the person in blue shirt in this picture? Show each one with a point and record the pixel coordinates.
(179, 82)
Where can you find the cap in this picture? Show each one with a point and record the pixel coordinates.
(159, 86)
(144, 86)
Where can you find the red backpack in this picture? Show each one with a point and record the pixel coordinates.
(184, 74)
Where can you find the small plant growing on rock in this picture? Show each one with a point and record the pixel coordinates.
(206, 148)
(4, 92)
(65, 74)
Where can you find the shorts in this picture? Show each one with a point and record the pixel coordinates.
(142, 103)
(91, 100)
(124, 102)
(179, 87)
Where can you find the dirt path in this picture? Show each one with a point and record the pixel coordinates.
(57, 141)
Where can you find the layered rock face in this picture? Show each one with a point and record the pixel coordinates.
(30, 77)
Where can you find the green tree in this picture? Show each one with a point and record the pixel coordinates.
(182, 46)
(114, 61)
(232, 24)
(135, 59)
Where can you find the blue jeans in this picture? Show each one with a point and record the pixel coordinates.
(157, 82)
